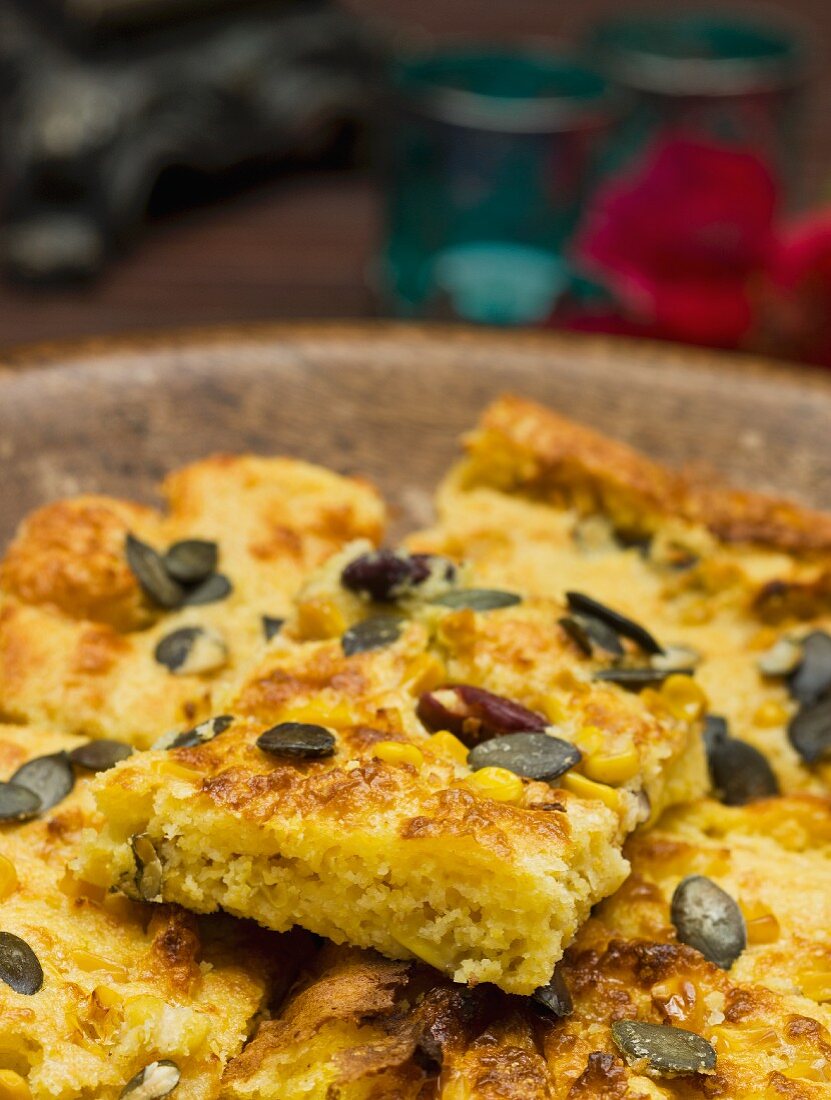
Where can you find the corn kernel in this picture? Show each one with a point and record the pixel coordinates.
(763, 929)
(398, 752)
(697, 614)
(764, 638)
(497, 783)
(447, 745)
(138, 1010)
(8, 878)
(771, 713)
(612, 768)
(107, 997)
(319, 617)
(13, 1086)
(590, 739)
(425, 673)
(422, 949)
(322, 712)
(588, 788)
(176, 771)
(816, 984)
(684, 698)
(90, 962)
(554, 710)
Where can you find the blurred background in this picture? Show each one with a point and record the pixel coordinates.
(659, 170)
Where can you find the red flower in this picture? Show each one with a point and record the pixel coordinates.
(795, 309)
(678, 242)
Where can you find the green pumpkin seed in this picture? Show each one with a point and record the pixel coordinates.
(636, 678)
(781, 659)
(149, 570)
(100, 756)
(531, 755)
(555, 997)
(149, 873)
(192, 650)
(216, 587)
(272, 626)
(298, 739)
(624, 627)
(374, 633)
(199, 735)
(811, 679)
(19, 965)
(17, 803)
(739, 772)
(51, 778)
(809, 730)
(191, 560)
(707, 918)
(668, 1051)
(477, 599)
(156, 1080)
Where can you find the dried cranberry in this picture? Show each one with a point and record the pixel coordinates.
(475, 715)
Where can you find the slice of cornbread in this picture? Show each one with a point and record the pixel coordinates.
(360, 1027)
(80, 636)
(547, 503)
(392, 842)
(121, 985)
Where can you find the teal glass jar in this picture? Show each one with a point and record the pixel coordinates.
(733, 80)
(490, 156)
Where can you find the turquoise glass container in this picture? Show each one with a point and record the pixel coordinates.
(734, 80)
(490, 156)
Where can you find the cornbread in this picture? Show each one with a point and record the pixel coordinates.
(392, 842)
(124, 984)
(541, 501)
(81, 642)
(360, 1026)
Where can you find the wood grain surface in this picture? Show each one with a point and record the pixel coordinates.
(388, 402)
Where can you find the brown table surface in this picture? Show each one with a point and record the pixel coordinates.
(302, 246)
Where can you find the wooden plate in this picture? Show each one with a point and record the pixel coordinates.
(386, 401)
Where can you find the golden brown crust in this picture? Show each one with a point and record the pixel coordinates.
(532, 449)
(69, 557)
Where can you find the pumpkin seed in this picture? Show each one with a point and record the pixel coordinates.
(374, 633)
(809, 731)
(475, 715)
(17, 803)
(739, 772)
(100, 756)
(191, 560)
(199, 735)
(51, 778)
(715, 732)
(637, 678)
(667, 1050)
(19, 965)
(555, 996)
(531, 755)
(781, 659)
(812, 677)
(620, 624)
(578, 634)
(675, 657)
(148, 877)
(272, 626)
(708, 919)
(156, 1080)
(214, 588)
(477, 599)
(301, 739)
(191, 650)
(149, 569)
